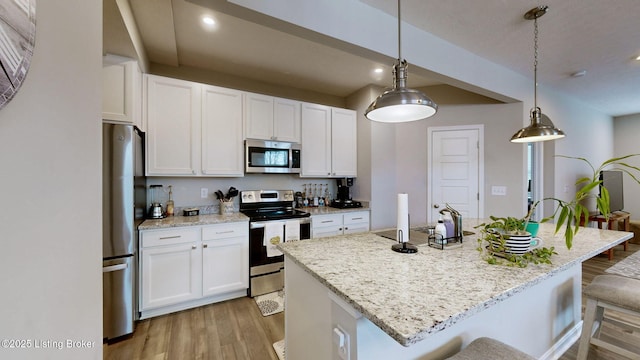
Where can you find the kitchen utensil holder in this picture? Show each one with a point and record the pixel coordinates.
(226, 207)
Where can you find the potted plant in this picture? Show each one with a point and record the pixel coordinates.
(567, 214)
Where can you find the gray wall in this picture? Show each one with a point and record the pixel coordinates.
(399, 154)
(50, 221)
(626, 130)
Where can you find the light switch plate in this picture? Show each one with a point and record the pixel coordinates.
(499, 190)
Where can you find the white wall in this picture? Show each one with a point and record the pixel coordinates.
(50, 185)
(589, 135)
(399, 161)
(626, 130)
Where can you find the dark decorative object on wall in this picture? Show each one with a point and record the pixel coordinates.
(17, 39)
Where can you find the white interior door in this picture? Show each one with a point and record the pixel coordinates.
(455, 171)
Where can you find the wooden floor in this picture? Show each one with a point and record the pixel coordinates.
(235, 329)
(590, 269)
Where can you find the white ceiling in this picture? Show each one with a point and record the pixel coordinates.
(601, 37)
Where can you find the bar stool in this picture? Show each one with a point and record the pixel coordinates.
(487, 348)
(612, 292)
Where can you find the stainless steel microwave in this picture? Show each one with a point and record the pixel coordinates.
(272, 157)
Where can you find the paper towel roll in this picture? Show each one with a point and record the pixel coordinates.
(402, 233)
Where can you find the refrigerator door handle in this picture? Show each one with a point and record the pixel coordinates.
(114, 268)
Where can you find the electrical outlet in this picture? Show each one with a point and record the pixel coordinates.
(204, 193)
(499, 190)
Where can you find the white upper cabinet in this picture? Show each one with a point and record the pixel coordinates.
(222, 148)
(172, 112)
(271, 118)
(286, 120)
(344, 144)
(316, 140)
(329, 141)
(193, 129)
(121, 90)
(258, 116)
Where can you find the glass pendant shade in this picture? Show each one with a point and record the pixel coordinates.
(537, 130)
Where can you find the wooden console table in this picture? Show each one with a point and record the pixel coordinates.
(614, 217)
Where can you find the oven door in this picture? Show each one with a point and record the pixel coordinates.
(257, 250)
(266, 274)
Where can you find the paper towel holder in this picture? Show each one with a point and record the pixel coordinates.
(403, 247)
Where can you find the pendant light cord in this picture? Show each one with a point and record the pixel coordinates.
(535, 63)
(399, 53)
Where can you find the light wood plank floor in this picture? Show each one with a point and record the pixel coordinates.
(590, 269)
(235, 329)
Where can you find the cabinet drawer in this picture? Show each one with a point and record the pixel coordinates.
(356, 217)
(169, 237)
(225, 231)
(326, 220)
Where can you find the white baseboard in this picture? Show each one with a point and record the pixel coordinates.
(562, 345)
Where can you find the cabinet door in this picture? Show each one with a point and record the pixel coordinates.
(316, 140)
(326, 225)
(121, 89)
(286, 120)
(258, 116)
(225, 265)
(356, 222)
(172, 113)
(344, 152)
(170, 275)
(222, 147)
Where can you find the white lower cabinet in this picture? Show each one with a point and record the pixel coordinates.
(225, 259)
(170, 275)
(339, 224)
(185, 267)
(355, 222)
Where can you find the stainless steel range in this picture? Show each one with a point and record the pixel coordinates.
(271, 215)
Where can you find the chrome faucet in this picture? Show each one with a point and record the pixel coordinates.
(457, 221)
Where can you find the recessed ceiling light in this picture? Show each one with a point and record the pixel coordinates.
(208, 20)
(638, 57)
(579, 73)
(378, 70)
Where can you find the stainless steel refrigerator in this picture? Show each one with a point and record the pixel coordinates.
(124, 202)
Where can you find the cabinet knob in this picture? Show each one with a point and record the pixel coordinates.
(205, 245)
(193, 247)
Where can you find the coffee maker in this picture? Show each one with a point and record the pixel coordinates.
(343, 199)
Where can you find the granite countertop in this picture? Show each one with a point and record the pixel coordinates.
(175, 221)
(327, 210)
(434, 288)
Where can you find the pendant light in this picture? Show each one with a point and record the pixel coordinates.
(400, 104)
(537, 130)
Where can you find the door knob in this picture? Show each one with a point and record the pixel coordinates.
(436, 206)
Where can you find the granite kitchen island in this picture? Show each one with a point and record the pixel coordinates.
(352, 297)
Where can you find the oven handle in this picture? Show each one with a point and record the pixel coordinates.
(260, 224)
